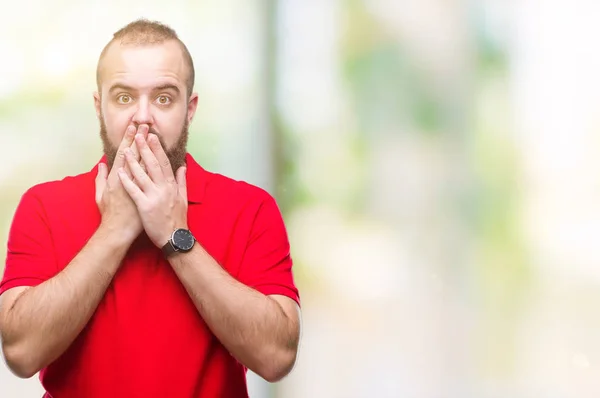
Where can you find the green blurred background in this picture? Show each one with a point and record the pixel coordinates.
(435, 160)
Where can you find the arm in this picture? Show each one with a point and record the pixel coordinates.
(262, 332)
(39, 323)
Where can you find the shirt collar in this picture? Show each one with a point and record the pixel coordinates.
(196, 180)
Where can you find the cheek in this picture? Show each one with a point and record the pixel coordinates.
(116, 122)
(169, 126)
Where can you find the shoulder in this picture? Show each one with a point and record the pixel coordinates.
(223, 194)
(223, 188)
(251, 203)
(55, 203)
(68, 189)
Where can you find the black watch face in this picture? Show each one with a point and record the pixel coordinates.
(183, 240)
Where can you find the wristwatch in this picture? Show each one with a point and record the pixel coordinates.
(181, 241)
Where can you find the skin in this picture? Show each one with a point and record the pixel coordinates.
(145, 86)
(143, 105)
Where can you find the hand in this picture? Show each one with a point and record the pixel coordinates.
(160, 197)
(118, 211)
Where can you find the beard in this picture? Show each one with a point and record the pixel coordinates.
(176, 153)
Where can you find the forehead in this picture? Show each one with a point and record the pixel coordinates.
(143, 66)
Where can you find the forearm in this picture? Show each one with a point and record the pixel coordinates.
(45, 319)
(253, 327)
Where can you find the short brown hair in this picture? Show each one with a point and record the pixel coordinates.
(145, 32)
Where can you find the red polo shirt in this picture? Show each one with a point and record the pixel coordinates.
(146, 338)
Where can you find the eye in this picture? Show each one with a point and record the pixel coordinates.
(124, 99)
(163, 100)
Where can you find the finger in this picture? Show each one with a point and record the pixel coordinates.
(101, 181)
(131, 188)
(125, 144)
(142, 129)
(141, 178)
(134, 149)
(127, 169)
(149, 159)
(181, 182)
(161, 156)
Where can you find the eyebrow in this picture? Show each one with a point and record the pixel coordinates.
(119, 86)
(162, 87)
(167, 86)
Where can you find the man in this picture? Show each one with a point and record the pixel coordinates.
(148, 276)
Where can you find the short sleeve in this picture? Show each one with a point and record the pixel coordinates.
(267, 263)
(30, 258)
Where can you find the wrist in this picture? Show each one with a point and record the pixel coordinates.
(115, 237)
(181, 260)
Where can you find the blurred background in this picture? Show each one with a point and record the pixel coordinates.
(435, 160)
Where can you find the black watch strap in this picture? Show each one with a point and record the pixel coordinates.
(168, 249)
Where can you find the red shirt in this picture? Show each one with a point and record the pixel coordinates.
(146, 338)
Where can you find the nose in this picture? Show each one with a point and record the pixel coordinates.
(142, 114)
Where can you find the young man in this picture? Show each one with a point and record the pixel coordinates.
(148, 276)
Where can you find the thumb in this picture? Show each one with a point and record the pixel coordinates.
(101, 181)
(181, 182)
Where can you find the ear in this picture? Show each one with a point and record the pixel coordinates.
(97, 104)
(192, 106)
